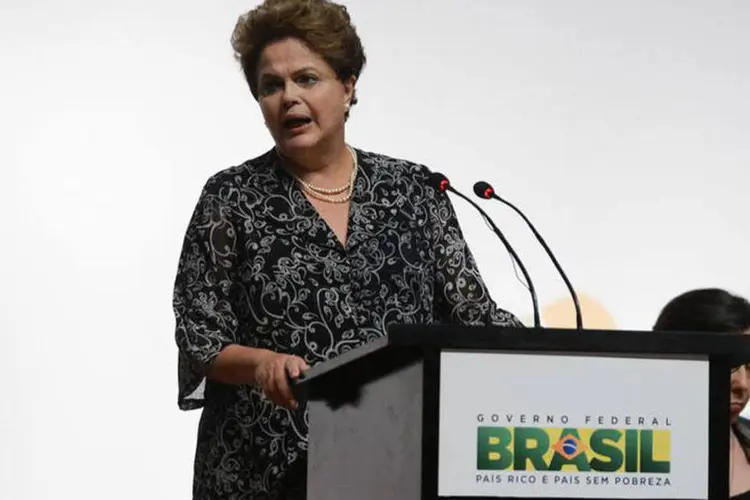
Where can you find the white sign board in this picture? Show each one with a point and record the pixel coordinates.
(531, 425)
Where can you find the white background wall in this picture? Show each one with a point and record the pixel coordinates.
(620, 126)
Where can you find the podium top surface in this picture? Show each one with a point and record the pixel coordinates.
(562, 339)
(732, 347)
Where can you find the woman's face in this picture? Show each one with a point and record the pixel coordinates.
(302, 100)
(740, 390)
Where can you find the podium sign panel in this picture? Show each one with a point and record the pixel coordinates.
(445, 412)
(564, 425)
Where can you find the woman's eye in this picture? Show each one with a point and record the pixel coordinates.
(267, 88)
(307, 79)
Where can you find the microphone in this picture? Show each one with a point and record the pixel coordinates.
(441, 183)
(485, 190)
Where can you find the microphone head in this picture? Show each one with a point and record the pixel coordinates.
(438, 181)
(484, 190)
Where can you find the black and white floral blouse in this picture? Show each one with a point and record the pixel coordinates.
(259, 267)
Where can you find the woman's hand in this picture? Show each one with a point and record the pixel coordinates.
(272, 376)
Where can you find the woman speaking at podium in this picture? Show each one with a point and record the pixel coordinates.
(302, 253)
(714, 310)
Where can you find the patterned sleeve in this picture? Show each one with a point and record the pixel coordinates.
(461, 296)
(202, 301)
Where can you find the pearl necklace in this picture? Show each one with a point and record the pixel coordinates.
(329, 194)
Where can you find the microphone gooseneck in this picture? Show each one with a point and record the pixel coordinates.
(484, 190)
(441, 183)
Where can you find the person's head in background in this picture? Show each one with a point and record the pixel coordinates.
(712, 310)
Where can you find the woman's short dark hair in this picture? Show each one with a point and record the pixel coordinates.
(705, 310)
(323, 25)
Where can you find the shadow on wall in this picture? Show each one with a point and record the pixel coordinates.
(561, 314)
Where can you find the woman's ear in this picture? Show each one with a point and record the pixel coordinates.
(349, 85)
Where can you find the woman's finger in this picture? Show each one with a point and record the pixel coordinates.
(282, 385)
(296, 366)
(271, 386)
(292, 367)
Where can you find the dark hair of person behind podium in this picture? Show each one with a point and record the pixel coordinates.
(716, 310)
(705, 310)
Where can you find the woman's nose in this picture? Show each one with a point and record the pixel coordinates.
(291, 94)
(740, 381)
